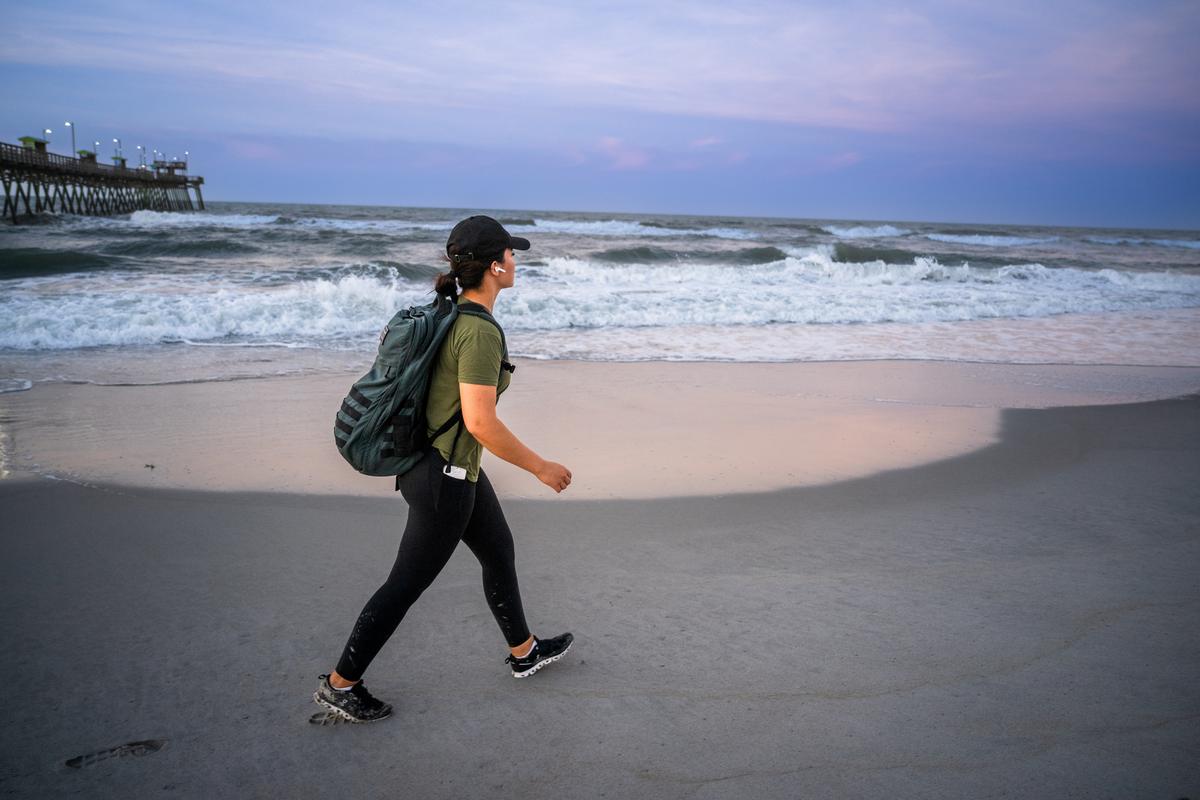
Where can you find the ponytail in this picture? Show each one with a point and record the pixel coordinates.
(446, 284)
(466, 272)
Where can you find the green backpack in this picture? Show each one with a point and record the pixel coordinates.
(380, 428)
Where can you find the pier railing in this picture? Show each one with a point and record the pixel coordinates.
(37, 182)
(14, 154)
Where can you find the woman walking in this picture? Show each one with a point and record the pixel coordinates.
(448, 494)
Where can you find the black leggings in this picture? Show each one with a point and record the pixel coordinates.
(441, 511)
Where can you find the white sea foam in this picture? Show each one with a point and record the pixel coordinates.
(864, 231)
(205, 219)
(806, 287)
(727, 233)
(1146, 337)
(196, 219)
(989, 241)
(304, 312)
(390, 225)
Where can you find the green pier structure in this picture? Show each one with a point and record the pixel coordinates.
(37, 182)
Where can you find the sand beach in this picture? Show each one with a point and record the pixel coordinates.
(903, 579)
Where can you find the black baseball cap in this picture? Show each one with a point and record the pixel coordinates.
(481, 237)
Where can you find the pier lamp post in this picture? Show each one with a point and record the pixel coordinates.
(185, 160)
(117, 142)
(141, 156)
(46, 133)
(71, 125)
(96, 147)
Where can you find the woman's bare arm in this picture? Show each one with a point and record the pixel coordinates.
(479, 415)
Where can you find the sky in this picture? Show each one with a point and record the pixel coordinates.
(1046, 112)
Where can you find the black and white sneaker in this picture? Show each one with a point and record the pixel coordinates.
(356, 704)
(543, 652)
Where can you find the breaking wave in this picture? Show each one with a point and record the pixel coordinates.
(864, 231)
(805, 286)
(986, 240)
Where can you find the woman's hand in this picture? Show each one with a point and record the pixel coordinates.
(554, 475)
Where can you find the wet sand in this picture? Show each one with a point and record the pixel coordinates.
(638, 430)
(1017, 619)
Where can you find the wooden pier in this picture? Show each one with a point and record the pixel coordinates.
(37, 182)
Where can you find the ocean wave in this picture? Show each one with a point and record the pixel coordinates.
(176, 246)
(571, 293)
(388, 272)
(611, 227)
(1190, 244)
(856, 253)
(680, 225)
(864, 231)
(30, 262)
(375, 245)
(302, 311)
(725, 233)
(621, 227)
(195, 219)
(394, 225)
(650, 254)
(168, 220)
(988, 240)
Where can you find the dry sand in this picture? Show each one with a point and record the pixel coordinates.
(1017, 619)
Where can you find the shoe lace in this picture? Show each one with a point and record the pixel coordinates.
(367, 700)
(525, 658)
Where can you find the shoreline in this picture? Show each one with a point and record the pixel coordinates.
(360, 367)
(1018, 442)
(696, 428)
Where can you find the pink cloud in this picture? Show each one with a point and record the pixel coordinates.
(623, 156)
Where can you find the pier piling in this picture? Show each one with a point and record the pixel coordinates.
(37, 182)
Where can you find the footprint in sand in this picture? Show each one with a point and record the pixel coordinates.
(120, 751)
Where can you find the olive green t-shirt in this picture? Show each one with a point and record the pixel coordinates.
(472, 353)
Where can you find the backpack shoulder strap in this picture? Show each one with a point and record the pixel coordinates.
(474, 310)
(477, 310)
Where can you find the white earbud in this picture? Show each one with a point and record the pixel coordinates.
(498, 270)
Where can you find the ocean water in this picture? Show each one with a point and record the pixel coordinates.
(244, 290)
